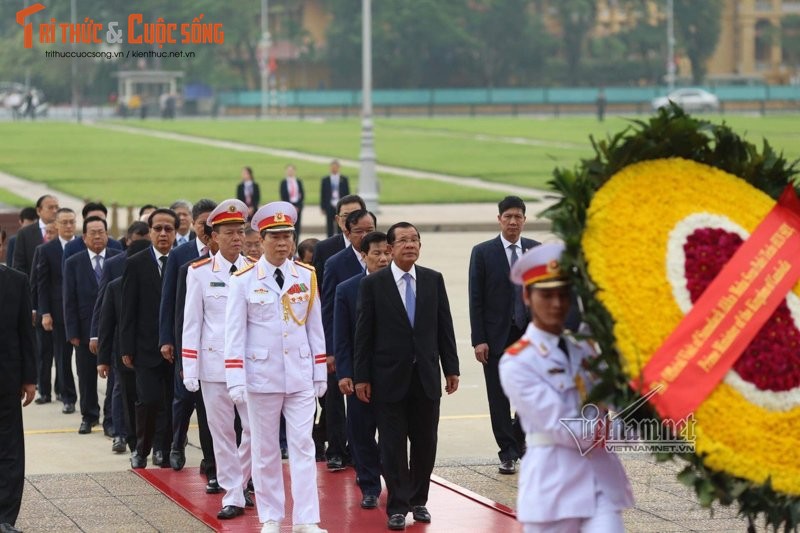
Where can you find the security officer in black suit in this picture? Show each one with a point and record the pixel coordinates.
(498, 316)
(17, 380)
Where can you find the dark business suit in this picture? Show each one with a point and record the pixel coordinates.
(10, 245)
(284, 193)
(342, 266)
(255, 198)
(141, 295)
(491, 306)
(44, 338)
(361, 423)
(28, 238)
(323, 251)
(78, 245)
(185, 402)
(401, 361)
(326, 204)
(17, 368)
(50, 279)
(108, 335)
(80, 295)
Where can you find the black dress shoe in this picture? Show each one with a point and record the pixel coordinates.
(68, 408)
(250, 487)
(8, 528)
(230, 511)
(212, 487)
(508, 467)
(397, 522)
(59, 398)
(108, 432)
(41, 400)
(86, 427)
(248, 500)
(284, 453)
(158, 458)
(369, 502)
(421, 514)
(335, 463)
(118, 446)
(138, 461)
(177, 458)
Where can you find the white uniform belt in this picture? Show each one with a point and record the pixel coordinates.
(539, 439)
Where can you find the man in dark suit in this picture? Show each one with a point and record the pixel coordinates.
(50, 305)
(498, 317)
(183, 403)
(105, 325)
(404, 331)
(184, 233)
(90, 209)
(141, 295)
(44, 338)
(31, 236)
(329, 247)
(323, 251)
(342, 266)
(27, 216)
(17, 380)
(82, 274)
(291, 190)
(248, 191)
(361, 424)
(332, 188)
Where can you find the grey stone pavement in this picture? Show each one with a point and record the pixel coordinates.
(75, 482)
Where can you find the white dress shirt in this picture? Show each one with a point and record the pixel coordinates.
(398, 274)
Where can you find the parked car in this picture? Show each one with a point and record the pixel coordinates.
(689, 100)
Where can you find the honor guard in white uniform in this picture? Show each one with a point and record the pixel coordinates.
(568, 481)
(203, 353)
(275, 358)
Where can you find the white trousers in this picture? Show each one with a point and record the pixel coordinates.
(606, 519)
(298, 409)
(233, 464)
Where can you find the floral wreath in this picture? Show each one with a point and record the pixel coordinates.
(674, 198)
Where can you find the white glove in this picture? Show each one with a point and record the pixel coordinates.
(191, 384)
(320, 387)
(237, 394)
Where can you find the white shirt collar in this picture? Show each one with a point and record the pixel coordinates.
(64, 241)
(92, 254)
(158, 254)
(346, 240)
(200, 247)
(42, 225)
(359, 258)
(507, 243)
(398, 273)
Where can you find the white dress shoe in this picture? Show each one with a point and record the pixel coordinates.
(308, 528)
(270, 526)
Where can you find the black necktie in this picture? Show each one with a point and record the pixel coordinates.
(233, 269)
(163, 261)
(562, 345)
(518, 309)
(279, 277)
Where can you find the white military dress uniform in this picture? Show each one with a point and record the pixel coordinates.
(568, 481)
(203, 355)
(275, 349)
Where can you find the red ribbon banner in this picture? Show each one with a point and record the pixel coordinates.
(725, 319)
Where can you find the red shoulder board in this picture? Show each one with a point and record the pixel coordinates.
(518, 346)
(201, 262)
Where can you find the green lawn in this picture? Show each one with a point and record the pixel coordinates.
(9, 198)
(131, 169)
(522, 150)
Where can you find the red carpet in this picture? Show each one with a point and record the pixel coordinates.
(453, 508)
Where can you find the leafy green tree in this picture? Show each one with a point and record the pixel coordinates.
(577, 18)
(697, 27)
